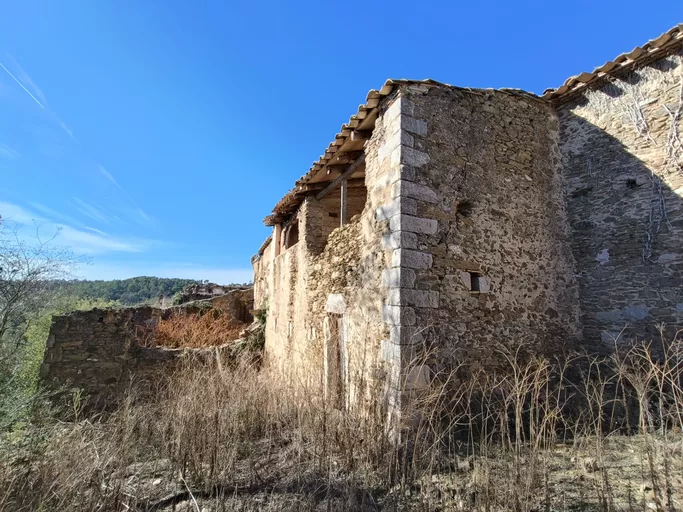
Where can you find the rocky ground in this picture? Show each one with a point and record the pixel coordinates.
(619, 474)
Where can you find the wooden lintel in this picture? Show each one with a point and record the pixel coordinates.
(343, 176)
(317, 187)
(361, 135)
(347, 157)
(332, 168)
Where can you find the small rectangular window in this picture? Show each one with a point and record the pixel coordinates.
(475, 282)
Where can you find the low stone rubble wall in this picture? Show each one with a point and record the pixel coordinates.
(103, 351)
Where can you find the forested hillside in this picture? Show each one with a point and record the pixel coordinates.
(127, 291)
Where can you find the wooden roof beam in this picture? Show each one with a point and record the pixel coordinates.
(344, 175)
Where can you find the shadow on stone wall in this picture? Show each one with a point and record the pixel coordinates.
(623, 191)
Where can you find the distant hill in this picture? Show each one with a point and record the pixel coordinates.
(131, 291)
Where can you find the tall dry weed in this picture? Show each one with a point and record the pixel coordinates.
(536, 434)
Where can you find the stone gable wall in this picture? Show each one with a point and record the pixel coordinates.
(622, 157)
(333, 272)
(484, 201)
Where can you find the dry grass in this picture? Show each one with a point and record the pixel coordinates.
(584, 434)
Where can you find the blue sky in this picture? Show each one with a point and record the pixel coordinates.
(158, 134)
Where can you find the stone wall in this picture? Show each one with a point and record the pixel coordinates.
(624, 189)
(325, 295)
(493, 220)
(485, 261)
(103, 351)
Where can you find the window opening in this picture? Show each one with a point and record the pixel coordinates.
(475, 282)
(335, 359)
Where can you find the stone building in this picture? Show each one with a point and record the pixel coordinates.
(446, 222)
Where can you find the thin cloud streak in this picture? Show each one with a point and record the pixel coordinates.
(8, 153)
(137, 209)
(92, 211)
(26, 79)
(80, 241)
(22, 86)
(37, 95)
(54, 214)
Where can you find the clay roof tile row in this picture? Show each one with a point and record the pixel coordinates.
(653, 47)
(573, 84)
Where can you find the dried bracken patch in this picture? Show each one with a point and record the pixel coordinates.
(194, 330)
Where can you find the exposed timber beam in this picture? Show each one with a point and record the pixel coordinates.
(343, 176)
(317, 187)
(343, 209)
(361, 135)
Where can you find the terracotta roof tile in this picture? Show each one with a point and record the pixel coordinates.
(293, 198)
(657, 46)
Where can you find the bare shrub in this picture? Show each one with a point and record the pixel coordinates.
(536, 434)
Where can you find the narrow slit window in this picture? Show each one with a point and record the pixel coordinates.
(475, 282)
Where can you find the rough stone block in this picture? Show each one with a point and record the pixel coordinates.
(418, 377)
(392, 175)
(395, 207)
(416, 191)
(400, 138)
(391, 353)
(335, 304)
(411, 259)
(409, 156)
(410, 124)
(416, 298)
(413, 224)
(400, 106)
(398, 315)
(400, 239)
(398, 278)
(405, 337)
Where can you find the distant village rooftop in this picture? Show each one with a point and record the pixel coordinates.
(347, 146)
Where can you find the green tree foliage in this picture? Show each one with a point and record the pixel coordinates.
(127, 292)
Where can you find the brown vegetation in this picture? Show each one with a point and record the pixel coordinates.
(184, 329)
(588, 434)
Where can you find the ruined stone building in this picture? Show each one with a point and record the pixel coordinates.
(457, 221)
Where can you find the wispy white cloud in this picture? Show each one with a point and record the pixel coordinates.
(24, 81)
(137, 212)
(81, 241)
(8, 153)
(92, 212)
(22, 86)
(123, 271)
(28, 81)
(111, 178)
(95, 231)
(54, 214)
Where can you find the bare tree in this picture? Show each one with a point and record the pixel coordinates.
(27, 266)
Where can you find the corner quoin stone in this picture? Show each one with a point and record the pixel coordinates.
(398, 278)
(409, 156)
(413, 224)
(408, 189)
(399, 240)
(397, 315)
(411, 259)
(396, 207)
(410, 297)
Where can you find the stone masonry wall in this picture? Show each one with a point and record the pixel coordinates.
(481, 199)
(622, 159)
(334, 274)
(100, 350)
